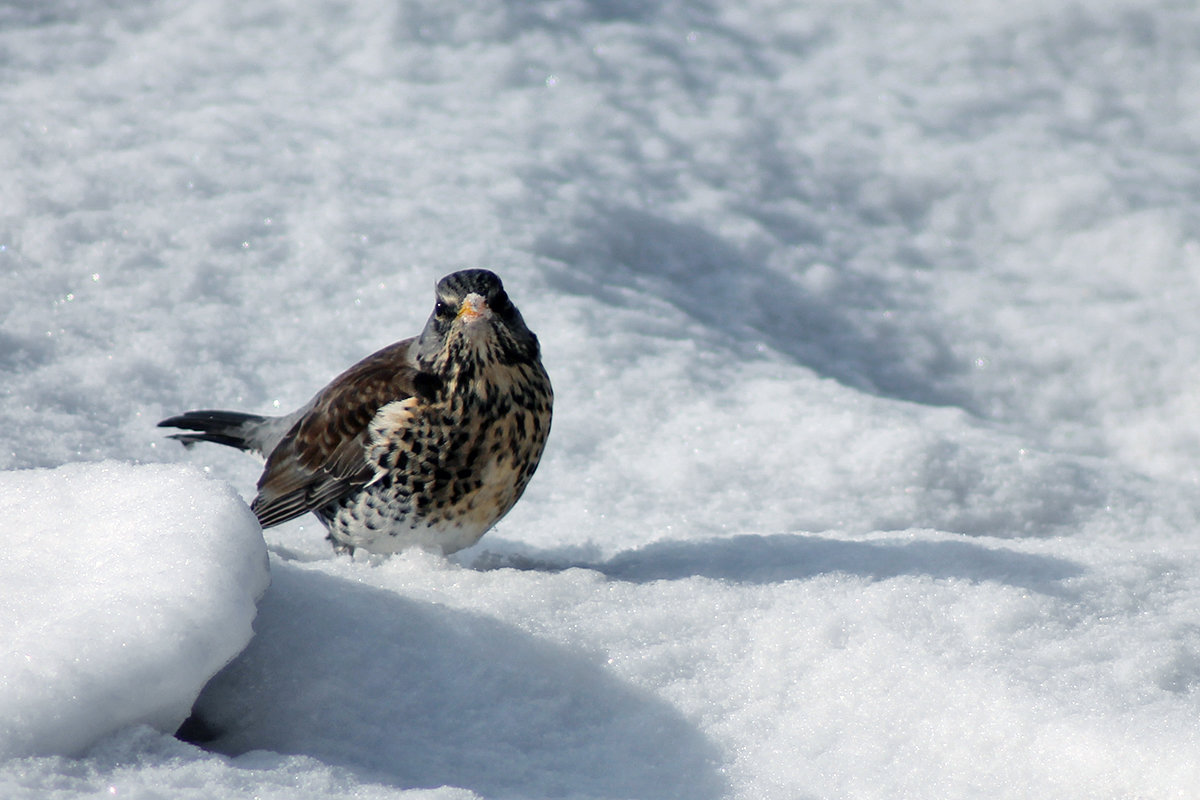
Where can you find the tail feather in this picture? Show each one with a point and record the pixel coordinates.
(230, 428)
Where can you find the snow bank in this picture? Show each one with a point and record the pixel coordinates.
(122, 590)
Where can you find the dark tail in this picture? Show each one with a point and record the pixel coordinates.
(230, 428)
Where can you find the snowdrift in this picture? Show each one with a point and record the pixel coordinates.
(123, 590)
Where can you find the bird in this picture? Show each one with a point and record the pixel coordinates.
(426, 443)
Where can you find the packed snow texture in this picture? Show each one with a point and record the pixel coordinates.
(873, 331)
(125, 589)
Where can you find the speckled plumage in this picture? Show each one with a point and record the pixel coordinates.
(428, 442)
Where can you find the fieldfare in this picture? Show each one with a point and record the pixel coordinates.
(428, 442)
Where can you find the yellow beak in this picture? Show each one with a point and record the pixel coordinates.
(472, 308)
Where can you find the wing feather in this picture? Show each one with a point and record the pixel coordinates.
(322, 458)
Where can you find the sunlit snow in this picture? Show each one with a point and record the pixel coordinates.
(124, 590)
(873, 329)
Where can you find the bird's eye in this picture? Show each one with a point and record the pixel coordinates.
(443, 309)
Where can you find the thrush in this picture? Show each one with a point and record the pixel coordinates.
(428, 442)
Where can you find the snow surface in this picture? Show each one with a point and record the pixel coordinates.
(874, 470)
(125, 589)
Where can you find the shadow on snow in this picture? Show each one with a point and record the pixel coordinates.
(419, 695)
(753, 559)
(878, 336)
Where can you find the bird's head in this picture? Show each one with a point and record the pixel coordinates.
(473, 325)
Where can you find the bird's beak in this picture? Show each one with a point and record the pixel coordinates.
(472, 308)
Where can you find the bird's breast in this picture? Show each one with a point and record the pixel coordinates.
(458, 463)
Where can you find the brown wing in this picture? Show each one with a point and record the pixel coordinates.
(322, 457)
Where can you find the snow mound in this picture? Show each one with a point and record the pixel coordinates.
(124, 589)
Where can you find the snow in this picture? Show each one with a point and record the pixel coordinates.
(872, 327)
(125, 590)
